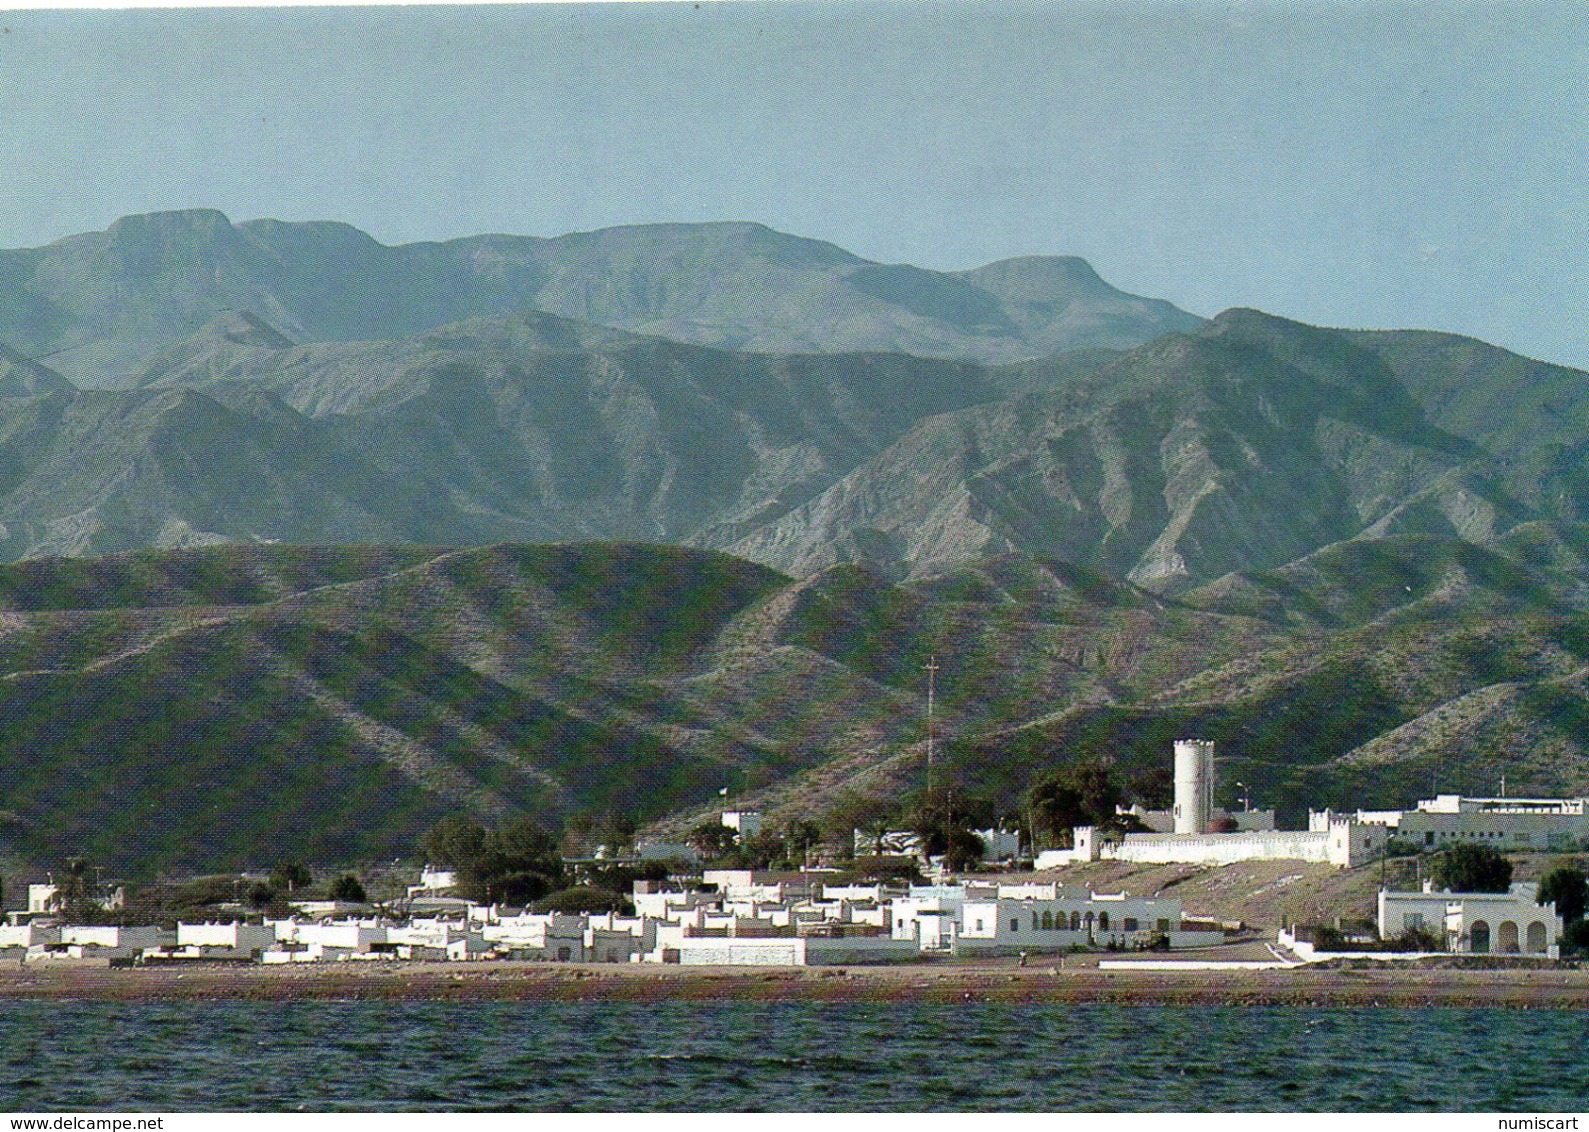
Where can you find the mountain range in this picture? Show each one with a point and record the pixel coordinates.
(107, 300)
(607, 522)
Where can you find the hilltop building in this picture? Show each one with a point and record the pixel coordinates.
(1503, 823)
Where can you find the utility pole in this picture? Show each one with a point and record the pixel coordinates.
(932, 672)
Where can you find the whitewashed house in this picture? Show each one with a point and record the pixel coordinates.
(18, 940)
(312, 942)
(114, 943)
(433, 881)
(1039, 922)
(1507, 923)
(555, 936)
(230, 942)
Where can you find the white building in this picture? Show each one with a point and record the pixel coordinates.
(768, 885)
(1163, 821)
(43, 899)
(1337, 841)
(665, 851)
(791, 951)
(1074, 918)
(433, 880)
(1540, 824)
(18, 941)
(312, 942)
(112, 943)
(997, 844)
(234, 942)
(1511, 922)
(747, 823)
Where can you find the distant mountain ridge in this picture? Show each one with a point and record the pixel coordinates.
(118, 296)
(1246, 444)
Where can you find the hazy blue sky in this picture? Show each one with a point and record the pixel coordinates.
(1344, 163)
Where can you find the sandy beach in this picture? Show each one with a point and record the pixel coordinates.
(1540, 987)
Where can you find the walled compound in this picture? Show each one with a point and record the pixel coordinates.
(1338, 840)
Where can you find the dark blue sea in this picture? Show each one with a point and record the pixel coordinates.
(320, 1056)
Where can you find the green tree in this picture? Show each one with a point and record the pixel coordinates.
(1055, 807)
(621, 878)
(520, 863)
(761, 850)
(617, 832)
(1568, 889)
(579, 835)
(711, 840)
(943, 829)
(290, 876)
(455, 842)
(963, 850)
(799, 838)
(873, 817)
(76, 889)
(1152, 787)
(347, 887)
(1467, 867)
(1083, 794)
(261, 895)
(886, 870)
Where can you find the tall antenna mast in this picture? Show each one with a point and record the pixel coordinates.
(932, 672)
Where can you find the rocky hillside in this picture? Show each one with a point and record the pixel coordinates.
(1244, 445)
(522, 428)
(202, 708)
(205, 708)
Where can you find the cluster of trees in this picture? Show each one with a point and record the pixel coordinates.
(1089, 793)
(944, 822)
(516, 862)
(787, 846)
(1467, 867)
(292, 880)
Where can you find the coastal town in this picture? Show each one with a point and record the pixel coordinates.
(692, 916)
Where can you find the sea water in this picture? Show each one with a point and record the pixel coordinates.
(609, 1056)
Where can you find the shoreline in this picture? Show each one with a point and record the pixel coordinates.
(927, 984)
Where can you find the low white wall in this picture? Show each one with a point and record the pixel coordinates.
(1220, 848)
(792, 952)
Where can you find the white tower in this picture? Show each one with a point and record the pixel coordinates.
(1194, 785)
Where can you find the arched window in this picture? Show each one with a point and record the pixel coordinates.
(1075, 921)
(1048, 921)
(1506, 939)
(1479, 936)
(1536, 938)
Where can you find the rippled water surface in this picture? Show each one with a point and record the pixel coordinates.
(786, 1056)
